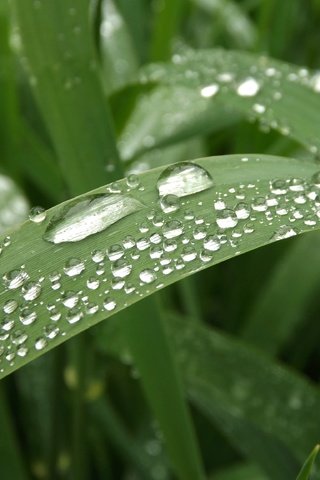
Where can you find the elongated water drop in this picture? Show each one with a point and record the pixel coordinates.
(183, 179)
(89, 215)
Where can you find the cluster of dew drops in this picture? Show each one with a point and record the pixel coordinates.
(173, 237)
(222, 72)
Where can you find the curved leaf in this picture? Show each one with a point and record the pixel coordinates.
(52, 290)
(278, 95)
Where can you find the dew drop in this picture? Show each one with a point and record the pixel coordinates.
(172, 229)
(183, 179)
(248, 88)
(10, 306)
(31, 291)
(89, 215)
(37, 214)
(73, 267)
(226, 219)
(284, 232)
(27, 317)
(210, 90)
(212, 243)
(121, 268)
(147, 276)
(15, 279)
(109, 304)
(40, 343)
(169, 203)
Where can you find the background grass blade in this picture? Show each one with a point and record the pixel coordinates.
(280, 308)
(118, 56)
(242, 391)
(281, 97)
(63, 72)
(306, 471)
(169, 407)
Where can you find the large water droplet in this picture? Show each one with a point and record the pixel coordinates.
(89, 215)
(183, 179)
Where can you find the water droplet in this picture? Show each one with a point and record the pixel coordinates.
(248, 88)
(109, 304)
(15, 279)
(27, 317)
(40, 343)
(31, 291)
(242, 211)
(74, 316)
(97, 256)
(121, 268)
(73, 267)
(183, 179)
(7, 324)
(226, 219)
(188, 254)
(169, 203)
(284, 232)
(70, 299)
(147, 276)
(10, 306)
(133, 181)
(37, 214)
(209, 91)
(212, 243)
(115, 252)
(89, 215)
(19, 337)
(93, 283)
(172, 229)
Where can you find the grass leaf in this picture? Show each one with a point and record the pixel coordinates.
(307, 467)
(70, 291)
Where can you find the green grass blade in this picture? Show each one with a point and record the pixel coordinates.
(166, 23)
(281, 305)
(233, 19)
(105, 415)
(306, 471)
(38, 163)
(249, 387)
(63, 71)
(279, 96)
(168, 115)
(12, 463)
(42, 260)
(160, 374)
(119, 59)
(240, 472)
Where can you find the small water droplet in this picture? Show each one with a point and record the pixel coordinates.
(284, 232)
(109, 304)
(169, 203)
(121, 268)
(248, 87)
(40, 343)
(15, 279)
(147, 276)
(210, 90)
(37, 214)
(73, 267)
(226, 219)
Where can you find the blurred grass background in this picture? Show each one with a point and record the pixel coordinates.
(262, 308)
